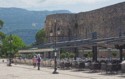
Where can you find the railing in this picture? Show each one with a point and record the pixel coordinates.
(46, 63)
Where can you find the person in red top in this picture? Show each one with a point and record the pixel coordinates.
(34, 61)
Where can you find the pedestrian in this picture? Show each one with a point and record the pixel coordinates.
(38, 61)
(3, 60)
(34, 61)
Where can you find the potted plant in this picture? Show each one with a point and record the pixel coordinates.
(85, 55)
(114, 54)
(71, 55)
(63, 55)
(90, 54)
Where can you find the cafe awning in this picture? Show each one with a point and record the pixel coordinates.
(35, 50)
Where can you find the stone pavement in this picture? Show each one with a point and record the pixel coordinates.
(28, 72)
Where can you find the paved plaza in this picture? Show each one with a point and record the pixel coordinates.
(28, 72)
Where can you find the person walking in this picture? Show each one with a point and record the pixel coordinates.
(34, 61)
(38, 61)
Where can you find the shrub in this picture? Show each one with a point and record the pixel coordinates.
(63, 55)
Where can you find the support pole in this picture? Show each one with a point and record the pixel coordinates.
(121, 51)
(94, 47)
(94, 50)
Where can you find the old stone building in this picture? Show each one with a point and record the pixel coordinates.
(107, 22)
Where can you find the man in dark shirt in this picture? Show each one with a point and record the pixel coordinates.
(38, 61)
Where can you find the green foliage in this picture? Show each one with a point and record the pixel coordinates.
(67, 55)
(1, 24)
(63, 55)
(62, 51)
(72, 55)
(11, 44)
(40, 36)
(90, 54)
(30, 56)
(2, 35)
(114, 54)
(85, 55)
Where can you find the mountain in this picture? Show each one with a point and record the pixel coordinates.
(19, 20)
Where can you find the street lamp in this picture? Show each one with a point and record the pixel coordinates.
(94, 47)
(54, 34)
(109, 53)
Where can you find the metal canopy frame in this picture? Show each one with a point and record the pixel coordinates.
(86, 42)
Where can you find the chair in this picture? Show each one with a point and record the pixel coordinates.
(103, 67)
(81, 65)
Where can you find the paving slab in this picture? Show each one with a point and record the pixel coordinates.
(28, 72)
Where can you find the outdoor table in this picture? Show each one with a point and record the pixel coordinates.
(81, 65)
(94, 66)
(103, 66)
(109, 67)
(67, 65)
(88, 64)
(113, 67)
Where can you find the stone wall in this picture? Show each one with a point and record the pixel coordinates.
(107, 22)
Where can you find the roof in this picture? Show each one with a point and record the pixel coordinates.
(35, 50)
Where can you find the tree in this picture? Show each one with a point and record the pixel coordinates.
(40, 36)
(1, 24)
(11, 45)
(2, 36)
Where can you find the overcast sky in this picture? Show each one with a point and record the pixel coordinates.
(71, 5)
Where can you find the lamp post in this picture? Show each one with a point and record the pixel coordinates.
(109, 54)
(94, 47)
(54, 34)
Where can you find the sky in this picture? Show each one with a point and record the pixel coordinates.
(74, 6)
